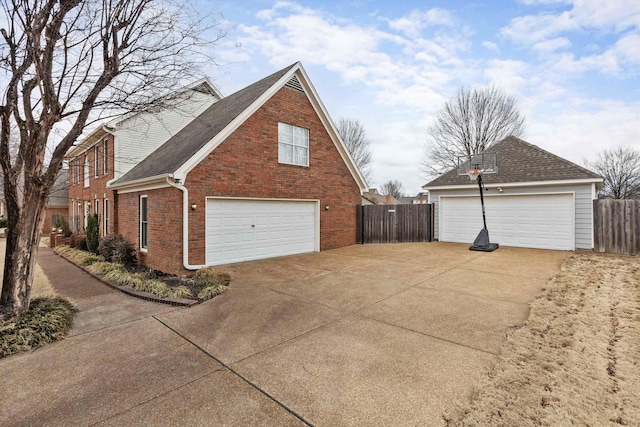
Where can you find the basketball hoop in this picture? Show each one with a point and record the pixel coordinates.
(474, 173)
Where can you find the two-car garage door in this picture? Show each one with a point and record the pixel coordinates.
(246, 229)
(544, 221)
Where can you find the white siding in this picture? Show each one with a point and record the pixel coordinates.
(140, 135)
(583, 206)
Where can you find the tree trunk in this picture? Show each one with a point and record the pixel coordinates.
(25, 225)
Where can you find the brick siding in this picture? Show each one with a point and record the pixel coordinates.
(97, 188)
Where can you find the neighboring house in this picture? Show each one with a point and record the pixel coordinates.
(260, 173)
(536, 200)
(58, 200)
(114, 148)
(418, 199)
(372, 197)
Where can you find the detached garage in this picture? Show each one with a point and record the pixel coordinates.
(536, 200)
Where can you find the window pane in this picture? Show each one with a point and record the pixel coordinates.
(302, 156)
(301, 136)
(285, 153)
(143, 209)
(143, 243)
(285, 133)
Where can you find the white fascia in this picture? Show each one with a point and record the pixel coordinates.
(515, 184)
(150, 183)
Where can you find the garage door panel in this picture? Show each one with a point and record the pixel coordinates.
(536, 221)
(242, 230)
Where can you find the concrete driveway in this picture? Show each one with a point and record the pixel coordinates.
(363, 335)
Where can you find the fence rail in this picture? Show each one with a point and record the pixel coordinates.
(395, 223)
(616, 226)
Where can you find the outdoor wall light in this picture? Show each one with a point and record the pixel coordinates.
(326, 208)
(193, 207)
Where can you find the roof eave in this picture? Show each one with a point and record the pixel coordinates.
(139, 182)
(514, 184)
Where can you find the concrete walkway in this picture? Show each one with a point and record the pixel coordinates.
(363, 335)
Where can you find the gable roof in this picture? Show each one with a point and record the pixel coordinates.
(521, 162)
(176, 157)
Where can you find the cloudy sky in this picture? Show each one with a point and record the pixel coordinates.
(573, 66)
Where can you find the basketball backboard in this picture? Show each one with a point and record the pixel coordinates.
(477, 164)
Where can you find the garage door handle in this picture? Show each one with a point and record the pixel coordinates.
(253, 225)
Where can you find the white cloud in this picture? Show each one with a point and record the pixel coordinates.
(608, 16)
(490, 46)
(585, 127)
(414, 23)
(552, 45)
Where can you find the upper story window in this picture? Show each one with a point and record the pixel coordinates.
(96, 161)
(293, 145)
(86, 170)
(105, 156)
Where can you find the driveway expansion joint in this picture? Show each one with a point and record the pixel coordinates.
(237, 374)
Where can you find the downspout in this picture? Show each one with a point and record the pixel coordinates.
(185, 225)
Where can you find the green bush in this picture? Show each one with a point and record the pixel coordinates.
(115, 248)
(208, 276)
(47, 320)
(4, 222)
(92, 233)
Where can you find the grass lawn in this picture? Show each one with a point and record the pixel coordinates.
(576, 361)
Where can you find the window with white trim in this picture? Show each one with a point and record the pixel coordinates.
(293, 145)
(96, 161)
(144, 225)
(96, 207)
(86, 170)
(105, 216)
(105, 156)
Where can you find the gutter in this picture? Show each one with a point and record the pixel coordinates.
(185, 225)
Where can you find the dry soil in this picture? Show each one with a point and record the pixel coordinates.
(576, 361)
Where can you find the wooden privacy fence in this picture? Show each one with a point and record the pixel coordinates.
(616, 226)
(395, 223)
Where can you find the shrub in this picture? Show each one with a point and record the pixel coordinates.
(208, 276)
(211, 291)
(178, 292)
(115, 248)
(102, 268)
(78, 241)
(4, 222)
(93, 233)
(47, 320)
(78, 256)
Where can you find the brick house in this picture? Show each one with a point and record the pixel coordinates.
(114, 148)
(260, 173)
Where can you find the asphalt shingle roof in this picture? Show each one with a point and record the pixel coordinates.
(167, 158)
(520, 161)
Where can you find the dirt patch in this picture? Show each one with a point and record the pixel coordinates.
(41, 286)
(577, 358)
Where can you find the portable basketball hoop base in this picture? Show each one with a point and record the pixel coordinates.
(474, 167)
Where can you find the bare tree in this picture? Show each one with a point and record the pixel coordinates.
(355, 138)
(392, 188)
(469, 123)
(620, 168)
(61, 61)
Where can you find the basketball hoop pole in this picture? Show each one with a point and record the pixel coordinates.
(484, 218)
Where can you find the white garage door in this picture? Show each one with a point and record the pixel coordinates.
(528, 221)
(243, 230)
